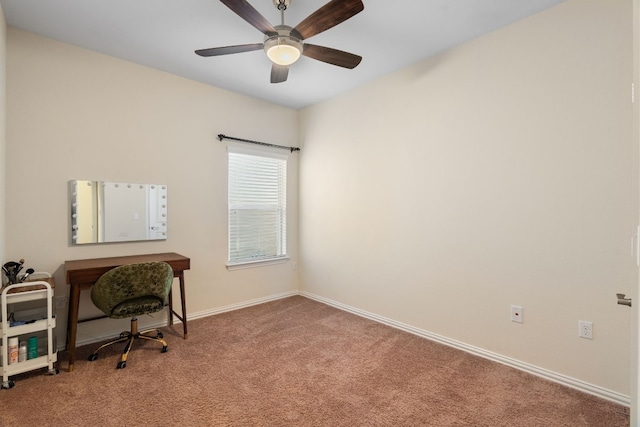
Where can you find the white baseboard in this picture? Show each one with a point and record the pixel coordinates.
(238, 306)
(526, 367)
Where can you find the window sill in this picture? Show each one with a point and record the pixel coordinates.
(253, 264)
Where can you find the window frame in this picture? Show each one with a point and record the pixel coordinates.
(266, 153)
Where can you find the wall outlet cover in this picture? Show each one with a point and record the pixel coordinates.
(585, 329)
(516, 314)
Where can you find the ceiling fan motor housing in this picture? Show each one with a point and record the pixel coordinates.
(283, 48)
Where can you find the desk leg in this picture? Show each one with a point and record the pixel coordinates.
(184, 305)
(182, 316)
(72, 324)
(171, 306)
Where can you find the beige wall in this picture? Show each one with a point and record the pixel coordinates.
(76, 114)
(497, 173)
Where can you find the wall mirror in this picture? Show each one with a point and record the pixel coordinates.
(104, 211)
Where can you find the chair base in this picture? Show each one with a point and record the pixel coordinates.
(129, 337)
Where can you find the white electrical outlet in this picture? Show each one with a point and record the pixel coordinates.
(585, 329)
(516, 314)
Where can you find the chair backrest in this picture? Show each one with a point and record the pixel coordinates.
(133, 289)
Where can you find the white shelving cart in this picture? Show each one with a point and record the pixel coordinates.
(20, 293)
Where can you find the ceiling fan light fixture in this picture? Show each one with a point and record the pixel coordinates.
(283, 50)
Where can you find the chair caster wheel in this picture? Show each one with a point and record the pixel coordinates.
(93, 357)
(121, 365)
(160, 335)
(164, 349)
(8, 384)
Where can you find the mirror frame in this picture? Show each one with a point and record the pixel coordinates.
(116, 212)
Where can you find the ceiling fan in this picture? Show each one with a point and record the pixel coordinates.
(284, 45)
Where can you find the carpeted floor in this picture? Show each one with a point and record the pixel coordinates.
(296, 362)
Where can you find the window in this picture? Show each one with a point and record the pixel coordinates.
(257, 206)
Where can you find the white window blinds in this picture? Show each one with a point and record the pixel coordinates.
(257, 206)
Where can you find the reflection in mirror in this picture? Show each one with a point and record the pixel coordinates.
(103, 211)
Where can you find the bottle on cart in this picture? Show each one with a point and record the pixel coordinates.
(22, 351)
(32, 348)
(13, 350)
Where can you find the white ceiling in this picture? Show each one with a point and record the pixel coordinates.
(163, 34)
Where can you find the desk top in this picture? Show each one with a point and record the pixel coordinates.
(85, 270)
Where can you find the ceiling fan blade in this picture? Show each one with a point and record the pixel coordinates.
(247, 12)
(328, 16)
(331, 56)
(226, 50)
(279, 73)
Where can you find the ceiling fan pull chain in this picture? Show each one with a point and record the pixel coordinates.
(282, 6)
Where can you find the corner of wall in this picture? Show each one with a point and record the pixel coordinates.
(3, 126)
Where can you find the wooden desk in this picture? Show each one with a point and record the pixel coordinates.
(83, 273)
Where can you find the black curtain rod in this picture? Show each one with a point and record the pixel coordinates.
(292, 149)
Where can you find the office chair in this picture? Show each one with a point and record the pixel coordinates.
(129, 291)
